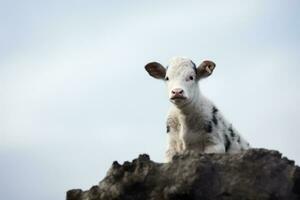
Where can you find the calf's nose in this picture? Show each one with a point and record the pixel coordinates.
(177, 91)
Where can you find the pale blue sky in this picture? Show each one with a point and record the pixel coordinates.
(74, 95)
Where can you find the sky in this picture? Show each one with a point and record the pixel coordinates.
(74, 95)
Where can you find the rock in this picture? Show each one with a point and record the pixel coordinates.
(256, 174)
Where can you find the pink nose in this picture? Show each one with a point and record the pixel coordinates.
(177, 92)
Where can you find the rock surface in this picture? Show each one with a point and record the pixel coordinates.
(256, 174)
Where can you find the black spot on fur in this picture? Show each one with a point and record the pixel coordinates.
(194, 67)
(208, 127)
(227, 143)
(232, 134)
(239, 140)
(215, 110)
(214, 117)
(168, 128)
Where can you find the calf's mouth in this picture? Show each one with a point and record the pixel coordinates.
(178, 98)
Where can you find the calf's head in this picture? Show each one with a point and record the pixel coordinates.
(181, 77)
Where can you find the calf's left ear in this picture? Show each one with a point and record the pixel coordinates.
(205, 69)
(156, 70)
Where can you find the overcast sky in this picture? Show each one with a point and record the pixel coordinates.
(74, 95)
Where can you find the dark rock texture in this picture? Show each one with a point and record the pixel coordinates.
(256, 174)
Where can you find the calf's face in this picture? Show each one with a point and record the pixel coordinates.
(181, 77)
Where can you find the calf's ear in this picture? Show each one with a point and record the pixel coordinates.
(156, 70)
(205, 69)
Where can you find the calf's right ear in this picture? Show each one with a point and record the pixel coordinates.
(156, 70)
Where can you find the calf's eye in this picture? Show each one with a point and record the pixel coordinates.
(167, 78)
(191, 78)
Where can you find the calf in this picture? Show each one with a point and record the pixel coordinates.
(194, 122)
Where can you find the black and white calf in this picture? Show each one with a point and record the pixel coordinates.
(194, 122)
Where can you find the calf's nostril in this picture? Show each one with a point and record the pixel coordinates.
(177, 91)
